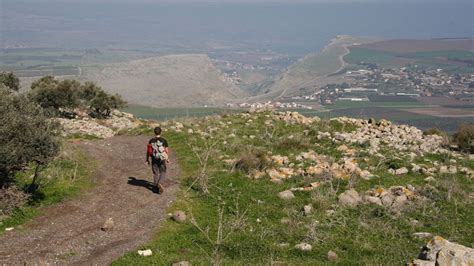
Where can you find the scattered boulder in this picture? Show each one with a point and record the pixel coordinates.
(350, 198)
(304, 247)
(332, 256)
(286, 195)
(439, 251)
(108, 225)
(307, 210)
(401, 171)
(179, 216)
(145, 253)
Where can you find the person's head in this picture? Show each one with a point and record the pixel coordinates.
(157, 131)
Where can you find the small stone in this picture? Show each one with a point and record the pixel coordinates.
(401, 171)
(108, 225)
(366, 175)
(179, 216)
(181, 263)
(330, 212)
(304, 247)
(430, 179)
(145, 253)
(373, 200)
(9, 228)
(332, 256)
(422, 235)
(307, 209)
(286, 195)
(350, 198)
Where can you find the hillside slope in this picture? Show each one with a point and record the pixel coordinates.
(314, 69)
(166, 81)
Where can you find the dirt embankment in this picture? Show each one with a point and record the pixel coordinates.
(70, 232)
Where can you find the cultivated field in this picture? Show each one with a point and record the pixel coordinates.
(450, 55)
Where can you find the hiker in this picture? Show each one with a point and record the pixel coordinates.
(158, 150)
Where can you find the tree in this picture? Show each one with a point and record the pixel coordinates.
(464, 138)
(51, 94)
(10, 80)
(103, 103)
(26, 136)
(46, 81)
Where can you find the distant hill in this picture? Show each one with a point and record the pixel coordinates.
(166, 81)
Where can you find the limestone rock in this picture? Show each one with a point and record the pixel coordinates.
(145, 253)
(108, 225)
(350, 198)
(286, 195)
(332, 256)
(307, 209)
(439, 251)
(401, 171)
(304, 247)
(179, 216)
(422, 234)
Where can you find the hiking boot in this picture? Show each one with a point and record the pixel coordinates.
(161, 189)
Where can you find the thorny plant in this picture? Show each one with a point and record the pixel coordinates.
(227, 225)
(203, 153)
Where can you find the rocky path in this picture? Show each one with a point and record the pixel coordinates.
(70, 232)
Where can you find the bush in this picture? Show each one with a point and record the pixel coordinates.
(10, 80)
(26, 135)
(252, 160)
(102, 104)
(12, 198)
(464, 138)
(63, 96)
(55, 95)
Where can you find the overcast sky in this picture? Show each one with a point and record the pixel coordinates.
(253, 1)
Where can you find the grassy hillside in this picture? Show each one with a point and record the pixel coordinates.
(314, 69)
(236, 216)
(188, 80)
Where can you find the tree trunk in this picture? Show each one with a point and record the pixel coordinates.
(32, 186)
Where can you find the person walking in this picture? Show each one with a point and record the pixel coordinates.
(158, 151)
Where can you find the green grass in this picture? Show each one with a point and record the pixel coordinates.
(368, 234)
(358, 55)
(62, 179)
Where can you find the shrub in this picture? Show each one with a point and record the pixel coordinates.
(61, 97)
(102, 104)
(56, 95)
(464, 138)
(12, 198)
(26, 135)
(10, 80)
(252, 159)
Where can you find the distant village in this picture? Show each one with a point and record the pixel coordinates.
(405, 81)
(363, 84)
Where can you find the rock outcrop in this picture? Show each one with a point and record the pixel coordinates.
(439, 251)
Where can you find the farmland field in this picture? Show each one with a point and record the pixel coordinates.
(162, 114)
(452, 56)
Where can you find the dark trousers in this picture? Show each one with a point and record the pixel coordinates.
(159, 172)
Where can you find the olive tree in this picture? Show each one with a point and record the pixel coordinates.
(27, 136)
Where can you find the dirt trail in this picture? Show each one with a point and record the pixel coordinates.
(69, 232)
